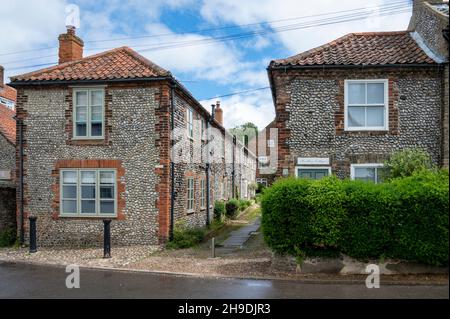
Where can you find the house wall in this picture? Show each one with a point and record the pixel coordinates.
(310, 117)
(7, 157)
(7, 187)
(131, 148)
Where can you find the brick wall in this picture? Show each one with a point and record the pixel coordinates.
(309, 116)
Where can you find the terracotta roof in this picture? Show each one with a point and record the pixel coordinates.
(120, 63)
(371, 48)
(8, 124)
(8, 92)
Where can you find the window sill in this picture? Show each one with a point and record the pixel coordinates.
(87, 217)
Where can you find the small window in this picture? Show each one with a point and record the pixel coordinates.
(312, 172)
(190, 194)
(88, 113)
(366, 105)
(90, 193)
(270, 143)
(367, 172)
(202, 193)
(190, 122)
(203, 129)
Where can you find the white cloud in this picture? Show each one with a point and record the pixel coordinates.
(256, 107)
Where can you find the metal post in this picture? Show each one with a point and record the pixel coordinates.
(213, 248)
(33, 246)
(107, 238)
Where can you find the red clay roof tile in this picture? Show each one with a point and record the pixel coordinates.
(8, 124)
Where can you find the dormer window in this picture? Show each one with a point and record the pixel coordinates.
(89, 114)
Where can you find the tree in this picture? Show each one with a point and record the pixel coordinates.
(406, 162)
(248, 129)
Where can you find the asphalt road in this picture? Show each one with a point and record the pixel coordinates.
(30, 281)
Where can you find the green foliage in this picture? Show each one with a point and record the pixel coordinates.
(185, 237)
(405, 163)
(405, 218)
(248, 129)
(243, 204)
(260, 188)
(7, 237)
(231, 208)
(219, 210)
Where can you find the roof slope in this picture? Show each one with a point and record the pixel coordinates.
(8, 92)
(120, 63)
(8, 124)
(370, 48)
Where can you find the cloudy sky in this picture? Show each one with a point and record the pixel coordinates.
(215, 47)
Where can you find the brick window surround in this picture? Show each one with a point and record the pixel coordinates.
(92, 163)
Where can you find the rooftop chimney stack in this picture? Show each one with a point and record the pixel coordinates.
(1, 76)
(219, 113)
(70, 46)
(213, 111)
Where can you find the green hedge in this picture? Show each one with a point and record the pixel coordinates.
(405, 218)
(231, 208)
(219, 210)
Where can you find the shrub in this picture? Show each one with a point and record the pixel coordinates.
(219, 210)
(405, 218)
(185, 237)
(7, 237)
(243, 204)
(231, 208)
(261, 188)
(406, 162)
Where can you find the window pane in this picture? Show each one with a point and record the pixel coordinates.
(81, 98)
(356, 115)
(69, 192)
(88, 177)
(96, 113)
(81, 129)
(70, 177)
(88, 206)
(106, 178)
(96, 129)
(81, 114)
(365, 173)
(69, 206)
(87, 191)
(357, 93)
(375, 116)
(107, 192)
(106, 207)
(96, 97)
(375, 93)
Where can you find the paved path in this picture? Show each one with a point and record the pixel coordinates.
(30, 281)
(239, 237)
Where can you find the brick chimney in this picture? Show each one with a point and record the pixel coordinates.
(219, 113)
(70, 46)
(1, 76)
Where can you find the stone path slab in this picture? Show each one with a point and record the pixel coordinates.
(239, 237)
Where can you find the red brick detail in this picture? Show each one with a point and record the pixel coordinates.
(91, 163)
(69, 121)
(392, 109)
(70, 47)
(162, 143)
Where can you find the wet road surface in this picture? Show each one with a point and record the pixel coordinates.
(31, 281)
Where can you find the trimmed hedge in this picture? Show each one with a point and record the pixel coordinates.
(231, 208)
(406, 218)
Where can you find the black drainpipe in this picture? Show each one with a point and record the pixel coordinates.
(21, 209)
(172, 164)
(233, 171)
(207, 167)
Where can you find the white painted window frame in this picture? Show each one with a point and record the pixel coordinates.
(386, 105)
(312, 168)
(88, 114)
(97, 192)
(203, 193)
(190, 123)
(190, 187)
(365, 165)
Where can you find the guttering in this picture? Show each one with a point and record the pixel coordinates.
(21, 197)
(103, 81)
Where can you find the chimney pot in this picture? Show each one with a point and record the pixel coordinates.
(219, 113)
(70, 46)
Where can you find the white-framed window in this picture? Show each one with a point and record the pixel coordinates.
(8, 103)
(190, 122)
(88, 115)
(203, 129)
(203, 193)
(366, 172)
(270, 143)
(366, 105)
(262, 181)
(190, 194)
(88, 192)
(312, 172)
(263, 161)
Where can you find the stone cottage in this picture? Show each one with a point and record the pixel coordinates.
(114, 136)
(7, 155)
(343, 107)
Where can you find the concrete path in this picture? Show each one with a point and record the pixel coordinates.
(31, 281)
(239, 237)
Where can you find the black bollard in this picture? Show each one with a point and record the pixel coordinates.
(107, 238)
(33, 245)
